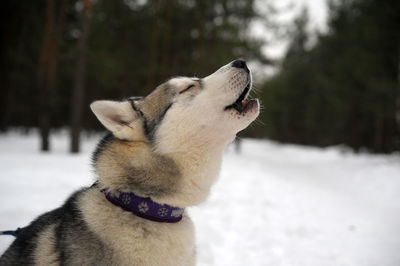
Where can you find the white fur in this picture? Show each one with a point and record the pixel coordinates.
(193, 133)
(45, 250)
(136, 241)
(180, 81)
(116, 117)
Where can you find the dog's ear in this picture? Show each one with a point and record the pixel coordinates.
(118, 117)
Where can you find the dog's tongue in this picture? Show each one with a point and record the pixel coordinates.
(244, 103)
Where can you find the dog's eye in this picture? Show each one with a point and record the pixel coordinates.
(188, 88)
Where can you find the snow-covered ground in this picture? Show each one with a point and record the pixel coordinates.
(274, 204)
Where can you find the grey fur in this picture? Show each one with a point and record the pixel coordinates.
(89, 230)
(74, 243)
(154, 107)
(70, 229)
(163, 178)
(157, 176)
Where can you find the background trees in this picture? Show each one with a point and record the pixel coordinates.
(133, 46)
(342, 88)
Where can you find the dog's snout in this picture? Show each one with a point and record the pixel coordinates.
(240, 64)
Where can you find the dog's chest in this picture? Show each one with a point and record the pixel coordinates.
(135, 241)
(161, 244)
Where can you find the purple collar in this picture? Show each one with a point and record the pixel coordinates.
(145, 207)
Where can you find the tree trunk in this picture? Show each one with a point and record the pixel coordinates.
(397, 114)
(80, 77)
(379, 133)
(166, 47)
(151, 78)
(47, 68)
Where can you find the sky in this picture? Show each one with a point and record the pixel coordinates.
(318, 11)
(289, 9)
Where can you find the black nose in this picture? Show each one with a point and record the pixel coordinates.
(240, 64)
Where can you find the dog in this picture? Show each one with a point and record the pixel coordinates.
(163, 152)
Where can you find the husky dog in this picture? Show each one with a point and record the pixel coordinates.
(162, 154)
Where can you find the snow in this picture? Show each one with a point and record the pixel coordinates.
(273, 204)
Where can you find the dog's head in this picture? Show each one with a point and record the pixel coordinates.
(184, 111)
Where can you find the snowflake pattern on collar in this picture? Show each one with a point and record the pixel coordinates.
(145, 207)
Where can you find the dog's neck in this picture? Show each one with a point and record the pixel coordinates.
(197, 152)
(177, 178)
(199, 169)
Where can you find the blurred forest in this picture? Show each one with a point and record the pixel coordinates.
(343, 87)
(346, 87)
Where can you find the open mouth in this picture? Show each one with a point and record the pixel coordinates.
(241, 105)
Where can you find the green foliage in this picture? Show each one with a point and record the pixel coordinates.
(18, 59)
(133, 46)
(344, 89)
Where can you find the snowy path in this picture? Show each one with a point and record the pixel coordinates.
(273, 204)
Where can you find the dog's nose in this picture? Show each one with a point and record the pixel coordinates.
(240, 64)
